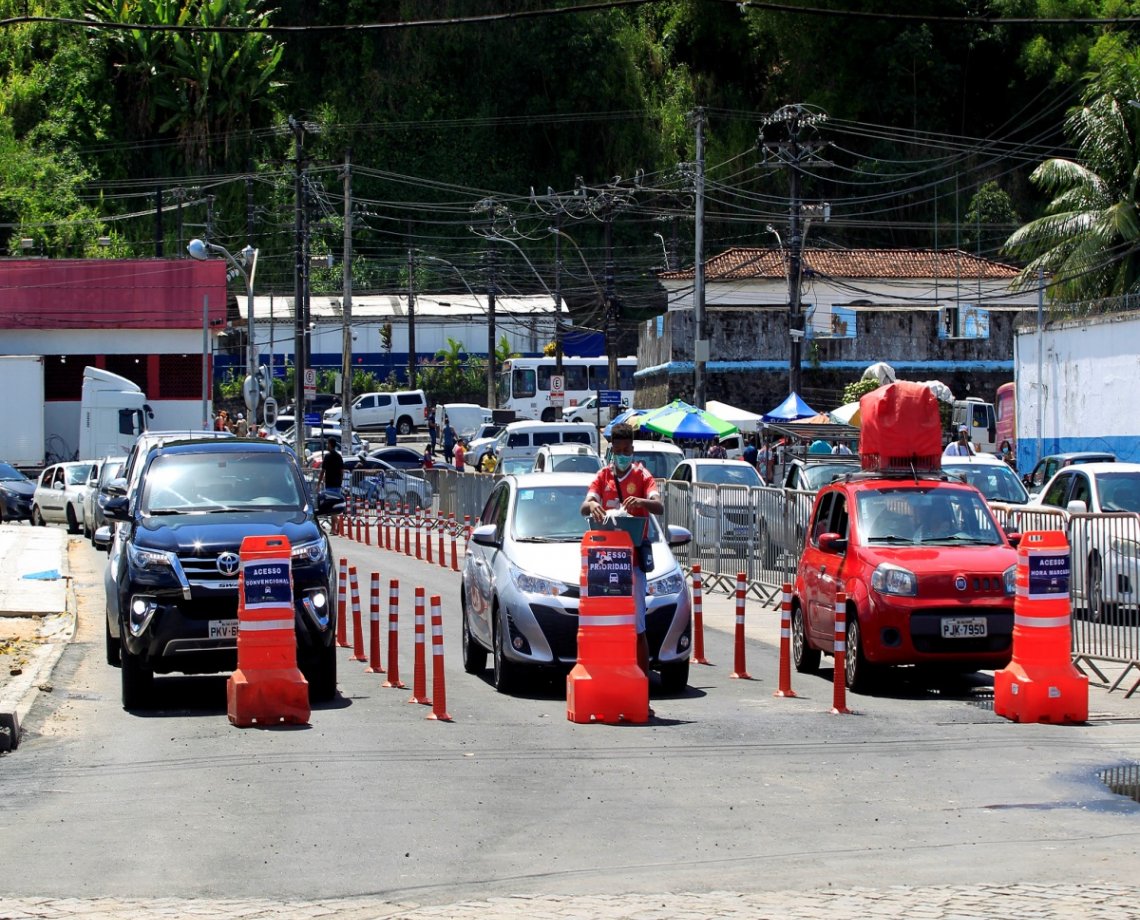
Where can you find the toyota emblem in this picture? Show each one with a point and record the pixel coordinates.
(959, 582)
(229, 563)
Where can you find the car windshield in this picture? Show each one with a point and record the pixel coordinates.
(9, 473)
(911, 516)
(575, 463)
(1119, 491)
(727, 474)
(77, 475)
(516, 465)
(210, 482)
(996, 483)
(819, 475)
(551, 514)
(659, 462)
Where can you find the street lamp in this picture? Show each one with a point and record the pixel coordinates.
(490, 357)
(200, 250)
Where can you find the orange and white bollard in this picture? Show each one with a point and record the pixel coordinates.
(342, 604)
(396, 525)
(367, 523)
(357, 627)
(438, 690)
(427, 525)
(387, 509)
(374, 664)
(419, 522)
(442, 558)
(466, 533)
(409, 522)
(454, 548)
(839, 677)
(419, 666)
(698, 619)
(785, 643)
(394, 636)
(739, 671)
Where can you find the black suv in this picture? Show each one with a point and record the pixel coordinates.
(172, 576)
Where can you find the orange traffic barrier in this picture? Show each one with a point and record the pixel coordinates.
(367, 523)
(267, 687)
(394, 636)
(374, 665)
(606, 684)
(396, 525)
(427, 525)
(698, 619)
(442, 558)
(739, 670)
(357, 627)
(785, 688)
(419, 666)
(387, 525)
(342, 604)
(1040, 684)
(454, 548)
(409, 522)
(418, 524)
(466, 533)
(839, 676)
(438, 690)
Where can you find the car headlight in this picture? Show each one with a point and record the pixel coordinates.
(536, 584)
(894, 579)
(673, 583)
(310, 553)
(1130, 549)
(149, 558)
(1009, 580)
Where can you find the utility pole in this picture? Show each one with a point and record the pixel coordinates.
(793, 151)
(346, 314)
(299, 363)
(558, 367)
(611, 302)
(492, 263)
(158, 230)
(700, 335)
(411, 312)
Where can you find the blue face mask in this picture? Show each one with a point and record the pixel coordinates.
(622, 462)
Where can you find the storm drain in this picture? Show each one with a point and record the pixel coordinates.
(1123, 780)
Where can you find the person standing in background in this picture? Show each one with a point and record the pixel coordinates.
(460, 454)
(448, 439)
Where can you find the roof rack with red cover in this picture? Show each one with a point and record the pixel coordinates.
(901, 429)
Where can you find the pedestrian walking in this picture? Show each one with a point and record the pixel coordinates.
(448, 439)
(390, 433)
(241, 426)
(433, 432)
(332, 468)
(961, 447)
(460, 455)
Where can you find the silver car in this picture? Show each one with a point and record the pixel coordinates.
(521, 584)
(102, 473)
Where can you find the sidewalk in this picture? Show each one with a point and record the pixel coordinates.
(37, 618)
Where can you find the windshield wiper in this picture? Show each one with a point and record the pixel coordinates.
(960, 538)
(890, 538)
(545, 539)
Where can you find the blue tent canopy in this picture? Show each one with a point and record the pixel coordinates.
(790, 409)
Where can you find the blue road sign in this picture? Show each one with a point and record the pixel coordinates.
(313, 418)
(609, 397)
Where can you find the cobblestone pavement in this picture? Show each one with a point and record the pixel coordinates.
(1086, 901)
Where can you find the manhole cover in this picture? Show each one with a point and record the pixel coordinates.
(1123, 780)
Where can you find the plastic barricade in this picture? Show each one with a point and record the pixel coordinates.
(1040, 684)
(606, 685)
(267, 686)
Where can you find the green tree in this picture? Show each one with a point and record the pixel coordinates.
(1088, 241)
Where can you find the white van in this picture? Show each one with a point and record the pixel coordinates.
(373, 411)
(518, 443)
(465, 418)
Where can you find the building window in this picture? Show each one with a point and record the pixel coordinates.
(133, 367)
(179, 377)
(63, 376)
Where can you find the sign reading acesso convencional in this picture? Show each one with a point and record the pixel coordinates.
(266, 583)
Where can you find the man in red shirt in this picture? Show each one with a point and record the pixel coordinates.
(625, 484)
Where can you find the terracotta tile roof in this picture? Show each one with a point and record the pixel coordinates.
(742, 263)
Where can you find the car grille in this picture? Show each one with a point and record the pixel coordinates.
(740, 516)
(926, 631)
(560, 629)
(222, 608)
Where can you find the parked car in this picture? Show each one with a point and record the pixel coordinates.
(587, 411)
(108, 468)
(16, 491)
(402, 458)
(1104, 554)
(483, 441)
(1047, 467)
(803, 477)
(990, 475)
(928, 573)
(172, 578)
(373, 411)
(521, 584)
(566, 458)
(59, 494)
(660, 458)
(381, 482)
(724, 516)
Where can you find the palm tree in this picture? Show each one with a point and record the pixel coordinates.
(1088, 242)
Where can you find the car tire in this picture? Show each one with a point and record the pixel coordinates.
(857, 672)
(506, 671)
(474, 655)
(113, 653)
(37, 518)
(1095, 609)
(88, 533)
(804, 657)
(137, 680)
(318, 664)
(405, 425)
(547, 415)
(72, 520)
(675, 677)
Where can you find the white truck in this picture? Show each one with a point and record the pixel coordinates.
(22, 383)
(113, 412)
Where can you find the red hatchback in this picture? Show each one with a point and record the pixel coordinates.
(928, 574)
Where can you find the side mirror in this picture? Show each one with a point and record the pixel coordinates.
(58, 487)
(116, 487)
(484, 535)
(1076, 506)
(678, 536)
(117, 508)
(833, 543)
(1014, 539)
(102, 538)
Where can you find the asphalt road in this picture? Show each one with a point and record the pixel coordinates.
(727, 788)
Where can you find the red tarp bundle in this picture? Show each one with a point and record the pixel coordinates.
(900, 428)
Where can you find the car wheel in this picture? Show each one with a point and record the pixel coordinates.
(319, 667)
(1098, 609)
(137, 680)
(37, 518)
(474, 655)
(113, 654)
(675, 676)
(804, 657)
(72, 521)
(856, 670)
(88, 533)
(765, 551)
(405, 426)
(547, 415)
(505, 670)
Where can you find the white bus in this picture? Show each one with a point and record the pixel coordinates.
(524, 384)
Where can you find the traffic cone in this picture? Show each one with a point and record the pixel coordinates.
(442, 558)
(342, 604)
(427, 525)
(785, 643)
(438, 690)
(419, 522)
(419, 668)
(838, 678)
(357, 628)
(374, 664)
(394, 636)
(739, 670)
(454, 549)
(409, 522)
(698, 619)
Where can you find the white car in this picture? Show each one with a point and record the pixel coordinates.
(587, 411)
(993, 477)
(723, 512)
(59, 494)
(566, 458)
(101, 473)
(1104, 562)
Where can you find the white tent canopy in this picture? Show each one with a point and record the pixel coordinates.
(741, 418)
